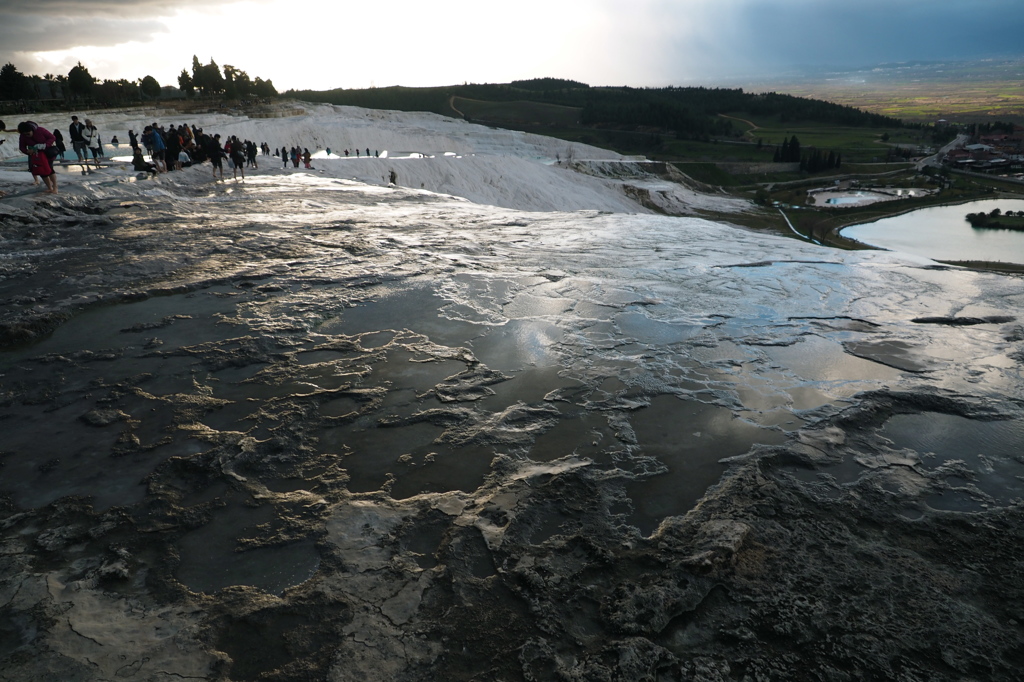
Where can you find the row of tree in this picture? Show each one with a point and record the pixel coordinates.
(817, 161)
(77, 85)
(81, 86)
(210, 79)
(814, 161)
(789, 152)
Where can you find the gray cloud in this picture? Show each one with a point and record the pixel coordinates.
(31, 26)
(873, 31)
(22, 36)
(665, 42)
(766, 35)
(39, 34)
(109, 9)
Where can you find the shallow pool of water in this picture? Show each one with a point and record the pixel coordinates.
(213, 558)
(690, 438)
(991, 450)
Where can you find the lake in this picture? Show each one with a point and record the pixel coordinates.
(942, 233)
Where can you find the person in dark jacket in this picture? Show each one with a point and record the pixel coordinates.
(237, 157)
(173, 143)
(76, 130)
(140, 164)
(211, 145)
(60, 144)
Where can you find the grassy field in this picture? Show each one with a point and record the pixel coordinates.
(862, 149)
(966, 92)
(724, 174)
(727, 152)
(719, 174)
(967, 101)
(855, 144)
(755, 144)
(529, 113)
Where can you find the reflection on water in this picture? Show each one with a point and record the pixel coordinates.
(942, 233)
(637, 325)
(415, 308)
(991, 450)
(820, 359)
(210, 559)
(518, 343)
(690, 438)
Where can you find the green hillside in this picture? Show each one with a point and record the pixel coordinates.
(697, 124)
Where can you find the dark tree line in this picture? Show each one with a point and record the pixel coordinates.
(991, 220)
(814, 161)
(789, 152)
(993, 127)
(946, 133)
(77, 85)
(81, 86)
(397, 98)
(230, 82)
(817, 161)
(701, 103)
(548, 84)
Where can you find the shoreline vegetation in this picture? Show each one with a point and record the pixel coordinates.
(990, 266)
(997, 220)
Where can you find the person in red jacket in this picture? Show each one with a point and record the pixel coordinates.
(40, 166)
(36, 143)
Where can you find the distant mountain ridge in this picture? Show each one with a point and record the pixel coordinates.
(964, 91)
(1009, 68)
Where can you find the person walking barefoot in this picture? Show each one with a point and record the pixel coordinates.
(76, 130)
(216, 154)
(40, 166)
(237, 157)
(37, 143)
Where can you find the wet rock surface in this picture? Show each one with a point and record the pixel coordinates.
(299, 429)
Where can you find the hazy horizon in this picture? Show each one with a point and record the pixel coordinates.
(646, 43)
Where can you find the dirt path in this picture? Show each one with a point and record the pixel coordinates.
(752, 125)
(451, 105)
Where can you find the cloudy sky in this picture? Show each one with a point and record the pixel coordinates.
(322, 44)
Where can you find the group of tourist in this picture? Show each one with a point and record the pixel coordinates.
(85, 140)
(376, 153)
(177, 147)
(295, 154)
(170, 148)
(43, 148)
